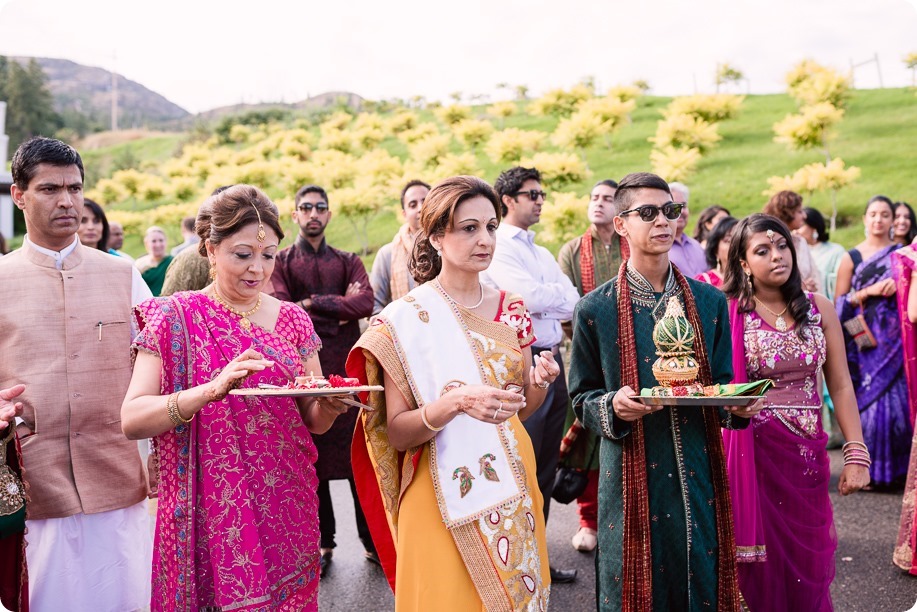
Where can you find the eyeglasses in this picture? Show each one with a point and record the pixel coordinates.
(533, 194)
(308, 206)
(648, 212)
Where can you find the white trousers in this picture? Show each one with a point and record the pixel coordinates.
(91, 562)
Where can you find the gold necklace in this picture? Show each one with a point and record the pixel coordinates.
(780, 324)
(244, 321)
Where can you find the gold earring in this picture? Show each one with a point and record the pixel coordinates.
(213, 273)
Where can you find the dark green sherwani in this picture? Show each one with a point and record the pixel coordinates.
(680, 487)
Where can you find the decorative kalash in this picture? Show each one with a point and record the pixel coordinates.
(676, 369)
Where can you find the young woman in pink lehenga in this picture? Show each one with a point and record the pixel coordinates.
(779, 469)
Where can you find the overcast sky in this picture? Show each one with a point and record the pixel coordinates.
(202, 54)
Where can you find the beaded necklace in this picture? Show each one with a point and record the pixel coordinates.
(243, 316)
(643, 294)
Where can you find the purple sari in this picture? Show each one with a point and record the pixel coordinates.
(779, 474)
(878, 374)
(237, 522)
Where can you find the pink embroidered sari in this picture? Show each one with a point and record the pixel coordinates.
(237, 523)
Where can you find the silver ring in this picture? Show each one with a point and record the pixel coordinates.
(496, 412)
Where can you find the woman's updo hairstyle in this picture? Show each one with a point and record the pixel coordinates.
(229, 210)
(437, 215)
(783, 205)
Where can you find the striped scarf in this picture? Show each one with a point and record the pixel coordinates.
(587, 259)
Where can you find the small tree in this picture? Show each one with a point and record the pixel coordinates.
(910, 60)
(522, 92)
(726, 73)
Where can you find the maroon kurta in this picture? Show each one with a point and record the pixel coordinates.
(323, 276)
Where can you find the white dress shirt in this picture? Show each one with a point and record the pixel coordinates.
(520, 266)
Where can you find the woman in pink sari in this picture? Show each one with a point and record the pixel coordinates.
(904, 262)
(237, 522)
(778, 468)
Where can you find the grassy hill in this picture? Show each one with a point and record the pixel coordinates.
(876, 134)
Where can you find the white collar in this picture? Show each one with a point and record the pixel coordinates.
(57, 256)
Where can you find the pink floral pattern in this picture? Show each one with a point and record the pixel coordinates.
(794, 364)
(237, 523)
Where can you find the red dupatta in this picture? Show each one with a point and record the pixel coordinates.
(904, 263)
(637, 587)
(587, 258)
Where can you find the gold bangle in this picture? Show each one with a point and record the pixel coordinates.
(423, 417)
(172, 408)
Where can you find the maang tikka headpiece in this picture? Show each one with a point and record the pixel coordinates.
(771, 235)
(261, 233)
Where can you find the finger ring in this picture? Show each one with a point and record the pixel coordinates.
(543, 385)
(496, 412)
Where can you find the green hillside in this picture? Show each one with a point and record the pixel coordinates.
(876, 134)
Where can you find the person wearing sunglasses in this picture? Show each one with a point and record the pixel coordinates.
(529, 270)
(687, 254)
(333, 287)
(664, 505)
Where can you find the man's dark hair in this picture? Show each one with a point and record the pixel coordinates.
(634, 182)
(414, 183)
(41, 150)
(510, 182)
(307, 189)
(607, 183)
(187, 224)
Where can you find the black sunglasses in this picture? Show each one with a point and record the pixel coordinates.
(648, 212)
(307, 207)
(532, 193)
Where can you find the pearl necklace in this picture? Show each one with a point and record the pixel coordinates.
(244, 316)
(780, 323)
(454, 301)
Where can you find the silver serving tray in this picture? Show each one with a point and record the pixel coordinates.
(723, 400)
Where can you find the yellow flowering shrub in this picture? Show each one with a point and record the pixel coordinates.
(401, 121)
(560, 102)
(367, 138)
(107, 192)
(809, 128)
(453, 164)
(452, 114)
(509, 145)
(131, 180)
(369, 120)
(675, 164)
(815, 177)
(239, 133)
(430, 150)
(558, 170)
(709, 107)
(579, 131)
(420, 132)
(625, 92)
(337, 140)
(151, 188)
(184, 189)
(685, 131)
(378, 166)
(612, 111)
(502, 110)
(333, 169)
(811, 83)
(473, 132)
(564, 217)
(335, 123)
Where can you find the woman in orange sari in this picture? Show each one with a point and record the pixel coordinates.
(444, 469)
